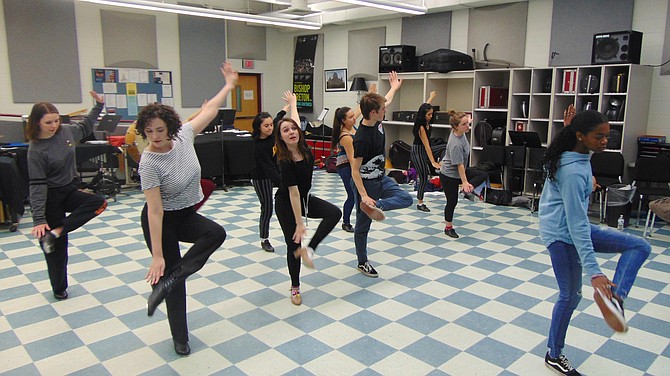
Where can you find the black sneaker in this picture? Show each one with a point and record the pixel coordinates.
(61, 296)
(450, 232)
(470, 196)
(561, 365)
(368, 270)
(48, 242)
(266, 246)
(347, 227)
(423, 208)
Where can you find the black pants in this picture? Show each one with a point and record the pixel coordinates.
(421, 163)
(188, 226)
(316, 208)
(82, 207)
(450, 187)
(263, 188)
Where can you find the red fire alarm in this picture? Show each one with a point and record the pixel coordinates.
(247, 64)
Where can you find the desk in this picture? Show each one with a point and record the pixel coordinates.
(224, 155)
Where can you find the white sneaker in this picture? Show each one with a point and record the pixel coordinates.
(373, 212)
(611, 310)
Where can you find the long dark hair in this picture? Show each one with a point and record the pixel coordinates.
(39, 110)
(584, 122)
(283, 154)
(256, 124)
(161, 111)
(420, 120)
(338, 122)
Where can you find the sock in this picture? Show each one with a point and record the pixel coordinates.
(54, 234)
(448, 227)
(263, 239)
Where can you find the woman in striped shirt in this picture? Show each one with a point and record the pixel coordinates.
(170, 177)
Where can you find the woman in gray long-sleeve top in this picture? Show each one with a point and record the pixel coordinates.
(54, 185)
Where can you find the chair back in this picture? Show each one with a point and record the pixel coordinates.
(652, 170)
(607, 164)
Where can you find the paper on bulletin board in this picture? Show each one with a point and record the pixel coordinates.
(121, 101)
(167, 91)
(168, 102)
(110, 100)
(108, 88)
(124, 75)
(132, 105)
(131, 89)
(248, 95)
(152, 98)
(143, 76)
(141, 99)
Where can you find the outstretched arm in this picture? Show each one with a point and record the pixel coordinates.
(211, 107)
(395, 83)
(291, 100)
(431, 97)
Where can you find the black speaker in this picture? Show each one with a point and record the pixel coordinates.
(400, 58)
(617, 47)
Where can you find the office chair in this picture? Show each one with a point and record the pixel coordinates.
(607, 167)
(652, 179)
(660, 208)
(495, 155)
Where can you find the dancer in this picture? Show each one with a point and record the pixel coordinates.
(453, 171)
(421, 154)
(265, 173)
(376, 192)
(293, 199)
(572, 241)
(170, 176)
(344, 130)
(54, 185)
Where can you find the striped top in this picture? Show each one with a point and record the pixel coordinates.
(176, 172)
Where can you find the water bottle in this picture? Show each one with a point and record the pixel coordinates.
(620, 223)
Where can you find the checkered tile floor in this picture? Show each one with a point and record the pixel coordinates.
(475, 305)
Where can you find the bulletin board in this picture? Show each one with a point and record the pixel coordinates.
(127, 90)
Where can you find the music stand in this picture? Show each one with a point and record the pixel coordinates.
(107, 125)
(226, 118)
(527, 139)
(320, 119)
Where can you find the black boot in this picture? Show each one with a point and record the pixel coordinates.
(182, 348)
(161, 290)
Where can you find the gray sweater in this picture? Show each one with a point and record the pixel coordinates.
(51, 161)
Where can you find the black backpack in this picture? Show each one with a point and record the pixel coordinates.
(483, 132)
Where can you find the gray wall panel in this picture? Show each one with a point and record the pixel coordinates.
(574, 22)
(363, 55)
(121, 42)
(428, 32)
(42, 49)
(665, 70)
(202, 49)
(246, 42)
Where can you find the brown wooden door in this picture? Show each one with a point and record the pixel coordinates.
(246, 99)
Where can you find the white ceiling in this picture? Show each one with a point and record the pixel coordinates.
(331, 11)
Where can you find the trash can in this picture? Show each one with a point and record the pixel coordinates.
(619, 202)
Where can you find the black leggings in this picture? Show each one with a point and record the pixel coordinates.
(317, 208)
(82, 207)
(450, 187)
(188, 226)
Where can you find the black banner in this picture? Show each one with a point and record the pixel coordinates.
(303, 71)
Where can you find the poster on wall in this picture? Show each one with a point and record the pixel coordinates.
(303, 72)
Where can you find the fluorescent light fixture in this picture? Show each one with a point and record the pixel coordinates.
(394, 6)
(204, 12)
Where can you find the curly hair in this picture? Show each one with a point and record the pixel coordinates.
(256, 124)
(39, 110)
(420, 120)
(584, 122)
(283, 154)
(161, 111)
(338, 122)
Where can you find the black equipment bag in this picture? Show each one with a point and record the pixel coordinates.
(483, 132)
(445, 60)
(399, 154)
(498, 196)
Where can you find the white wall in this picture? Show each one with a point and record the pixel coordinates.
(649, 17)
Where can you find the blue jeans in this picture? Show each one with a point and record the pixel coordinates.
(345, 174)
(389, 196)
(567, 266)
